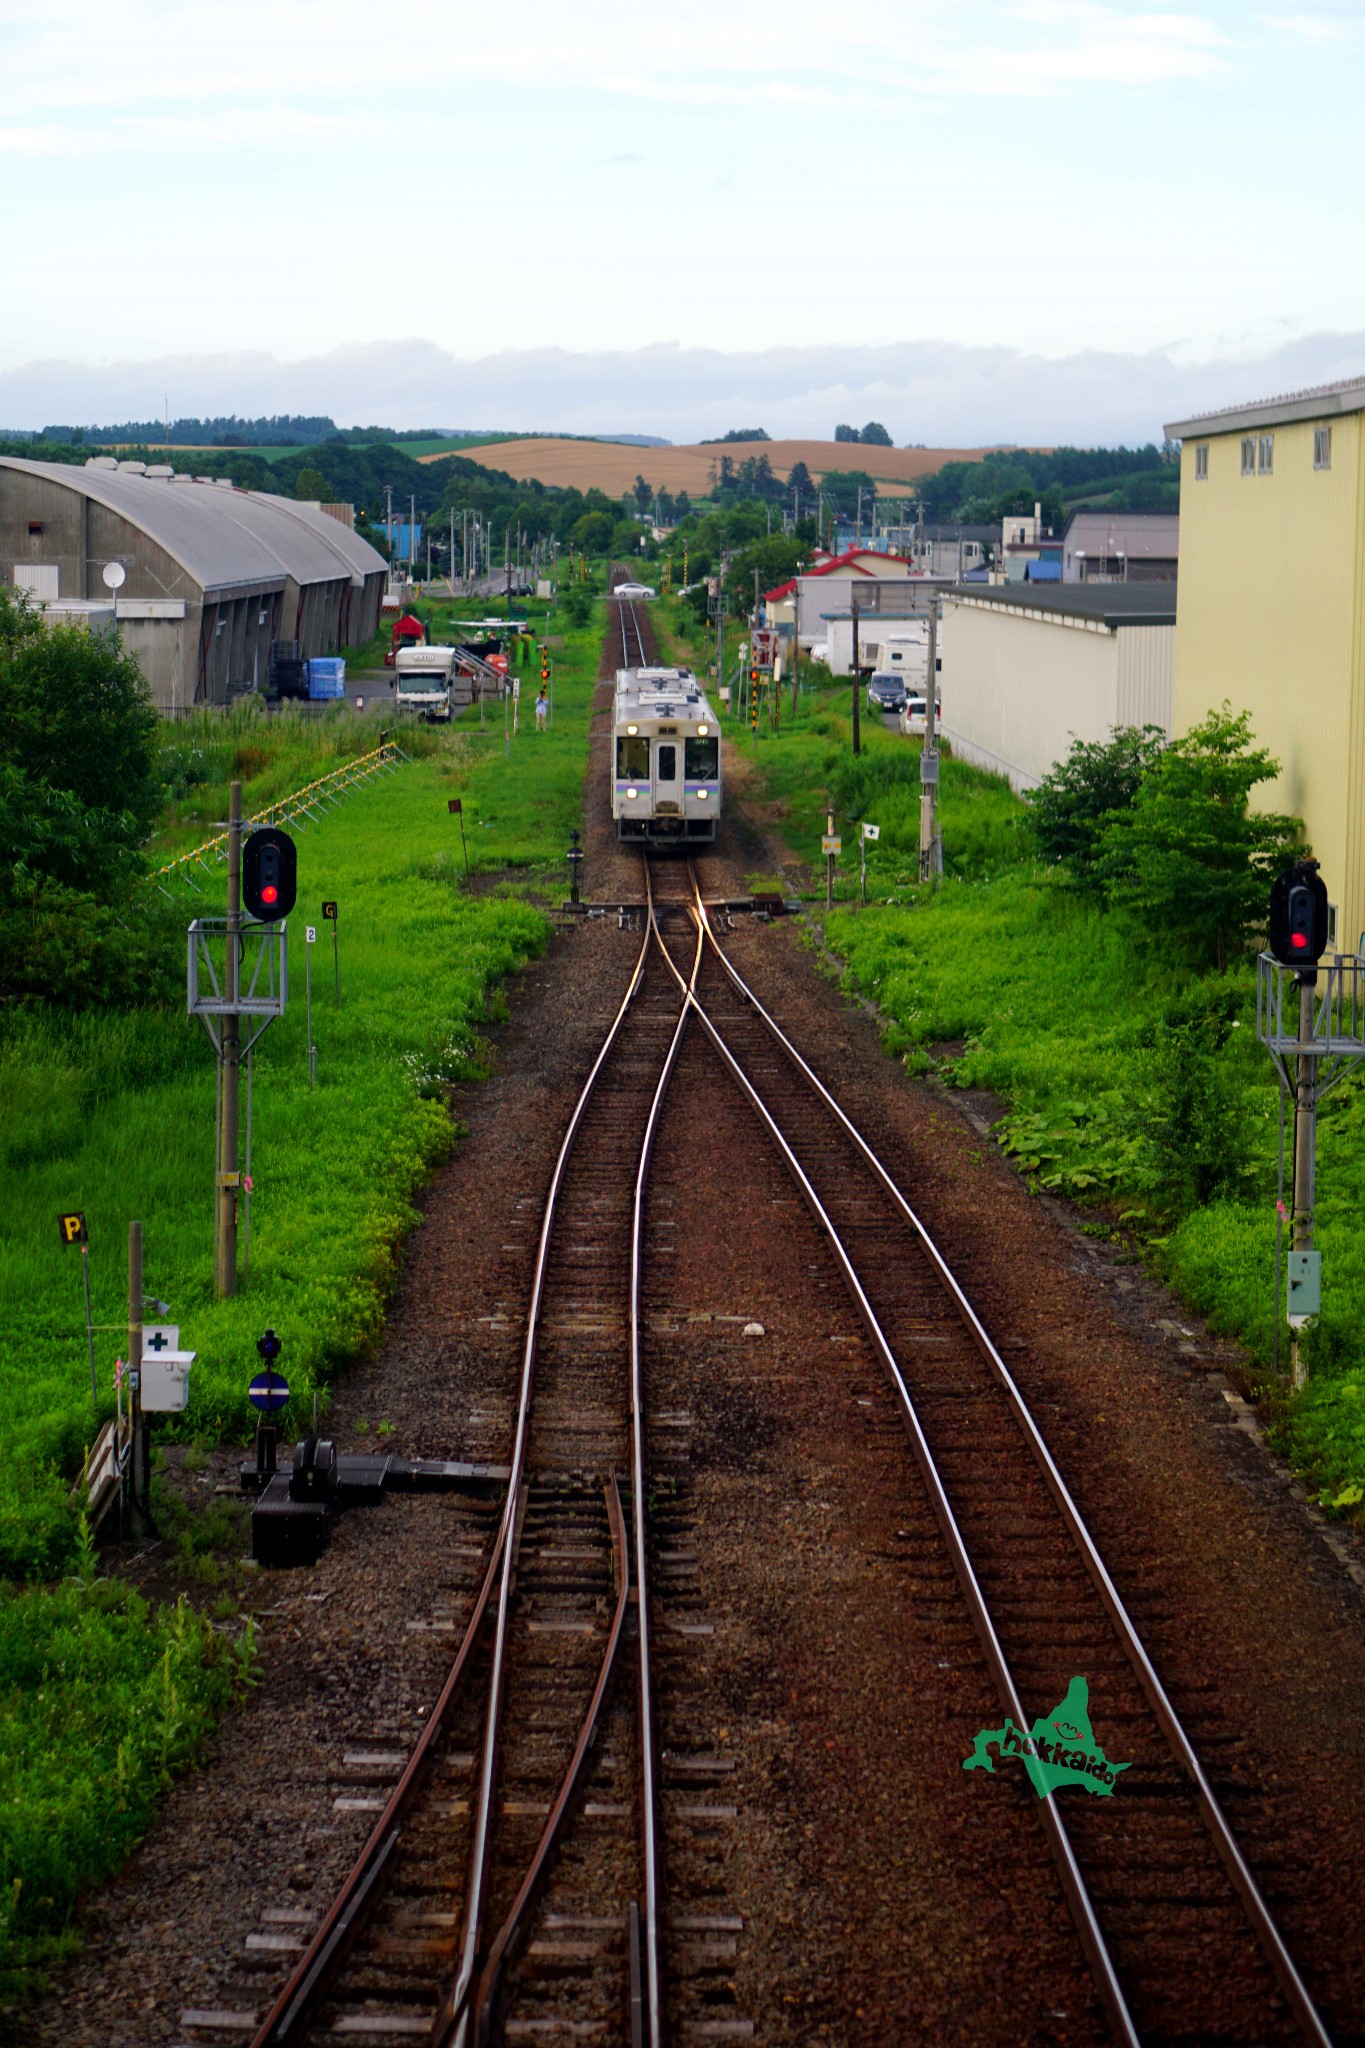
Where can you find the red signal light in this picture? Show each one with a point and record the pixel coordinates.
(270, 894)
(1298, 939)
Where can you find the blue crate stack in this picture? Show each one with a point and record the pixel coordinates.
(326, 676)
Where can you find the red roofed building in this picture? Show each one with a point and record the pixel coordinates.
(828, 586)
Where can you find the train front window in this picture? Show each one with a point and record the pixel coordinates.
(632, 760)
(701, 759)
(668, 761)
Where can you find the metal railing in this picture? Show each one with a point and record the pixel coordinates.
(1338, 1016)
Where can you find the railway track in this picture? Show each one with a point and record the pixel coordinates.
(1180, 1941)
(510, 1886)
(514, 1885)
(634, 653)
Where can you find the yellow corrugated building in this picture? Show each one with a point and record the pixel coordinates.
(1269, 608)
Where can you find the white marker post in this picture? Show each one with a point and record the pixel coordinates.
(311, 934)
(868, 832)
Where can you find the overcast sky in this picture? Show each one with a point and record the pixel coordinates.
(1035, 221)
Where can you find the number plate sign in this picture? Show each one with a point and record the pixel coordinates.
(72, 1227)
(831, 845)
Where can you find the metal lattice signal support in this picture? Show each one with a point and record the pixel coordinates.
(298, 808)
(1312, 1023)
(207, 999)
(254, 991)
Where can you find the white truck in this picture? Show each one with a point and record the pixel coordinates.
(422, 684)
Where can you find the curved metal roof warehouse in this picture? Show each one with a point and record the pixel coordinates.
(211, 574)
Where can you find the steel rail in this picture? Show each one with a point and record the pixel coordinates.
(1272, 1942)
(360, 1893)
(1082, 1911)
(345, 1920)
(450, 2020)
(626, 608)
(652, 1987)
(484, 1998)
(479, 1996)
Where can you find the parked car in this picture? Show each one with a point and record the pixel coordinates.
(886, 692)
(914, 719)
(634, 590)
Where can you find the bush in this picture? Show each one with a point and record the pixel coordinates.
(1071, 808)
(1189, 865)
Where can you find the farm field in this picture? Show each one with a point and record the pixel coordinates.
(613, 468)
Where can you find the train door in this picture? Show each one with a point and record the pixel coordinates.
(668, 785)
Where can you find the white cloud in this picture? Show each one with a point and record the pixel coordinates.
(77, 53)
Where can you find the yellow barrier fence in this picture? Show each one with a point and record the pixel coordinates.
(309, 802)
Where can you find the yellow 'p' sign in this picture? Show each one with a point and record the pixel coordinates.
(72, 1228)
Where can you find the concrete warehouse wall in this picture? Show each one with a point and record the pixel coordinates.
(1017, 689)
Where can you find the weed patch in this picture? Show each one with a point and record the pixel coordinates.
(1131, 1084)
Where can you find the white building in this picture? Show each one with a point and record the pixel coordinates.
(1026, 670)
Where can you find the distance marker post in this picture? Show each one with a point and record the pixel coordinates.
(329, 912)
(310, 932)
(73, 1231)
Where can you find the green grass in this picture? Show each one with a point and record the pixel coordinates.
(104, 1696)
(1030, 992)
(112, 1112)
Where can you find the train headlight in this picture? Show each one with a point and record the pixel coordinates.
(702, 731)
(701, 793)
(632, 730)
(632, 792)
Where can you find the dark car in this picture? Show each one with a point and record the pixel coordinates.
(886, 693)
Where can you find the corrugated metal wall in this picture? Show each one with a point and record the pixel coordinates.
(1146, 676)
(1017, 689)
(1269, 617)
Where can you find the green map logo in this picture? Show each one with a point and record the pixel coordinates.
(1060, 1749)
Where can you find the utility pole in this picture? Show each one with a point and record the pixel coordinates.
(857, 744)
(796, 637)
(139, 1468)
(930, 858)
(226, 1276)
(388, 520)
